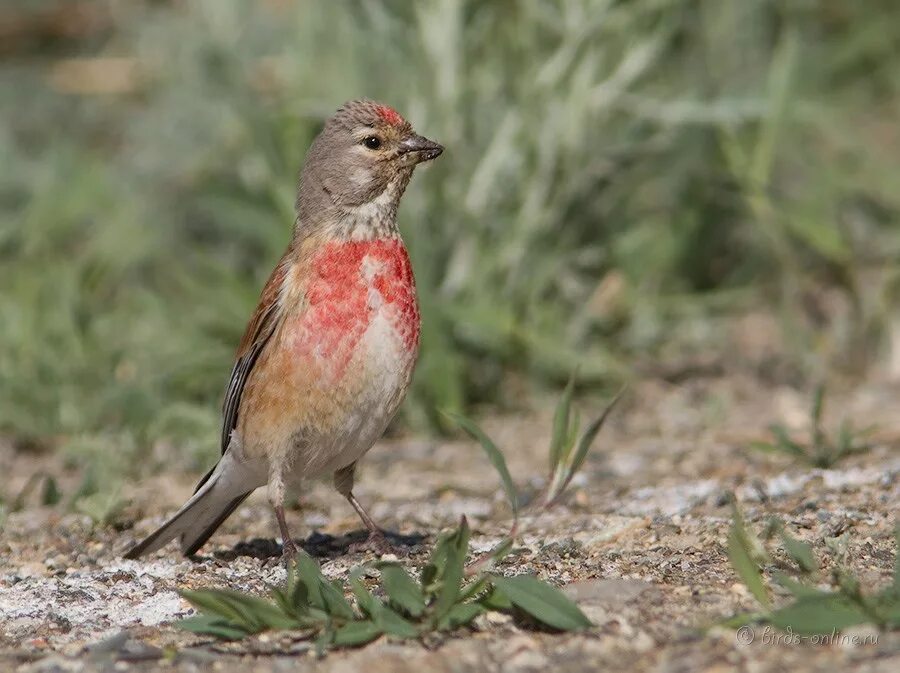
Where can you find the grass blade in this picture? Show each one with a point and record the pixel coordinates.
(559, 441)
(818, 614)
(800, 552)
(897, 558)
(799, 589)
(587, 439)
(741, 552)
(784, 442)
(494, 455)
(815, 415)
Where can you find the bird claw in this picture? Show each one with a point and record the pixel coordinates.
(376, 542)
(288, 553)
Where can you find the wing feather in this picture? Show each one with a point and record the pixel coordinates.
(260, 329)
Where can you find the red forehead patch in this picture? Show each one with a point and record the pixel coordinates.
(389, 114)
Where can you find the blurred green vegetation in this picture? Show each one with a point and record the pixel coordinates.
(618, 176)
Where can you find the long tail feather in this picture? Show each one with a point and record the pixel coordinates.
(217, 496)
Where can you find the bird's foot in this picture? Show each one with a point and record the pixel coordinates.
(288, 553)
(288, 556)
(377, 543)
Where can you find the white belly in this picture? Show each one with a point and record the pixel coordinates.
(385, 365)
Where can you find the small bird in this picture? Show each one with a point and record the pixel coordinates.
(328, 355)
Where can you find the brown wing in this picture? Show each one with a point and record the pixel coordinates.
(259, 330)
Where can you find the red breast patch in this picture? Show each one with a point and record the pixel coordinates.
(340, 305)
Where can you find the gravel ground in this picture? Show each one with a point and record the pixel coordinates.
(640, 544)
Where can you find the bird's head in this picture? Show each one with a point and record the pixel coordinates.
(360, 163)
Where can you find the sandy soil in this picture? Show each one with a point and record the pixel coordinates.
(640, 544)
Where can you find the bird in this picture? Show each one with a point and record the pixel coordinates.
(328, 354)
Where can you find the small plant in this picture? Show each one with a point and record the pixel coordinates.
(448, 593)
(442, 599)
(565, 460)
(567, 452)
(822, 451)
(49, 493)
(812, 610)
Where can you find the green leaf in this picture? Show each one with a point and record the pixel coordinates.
(473, 589)
(847, 582)
(503, 548)
(212, 626)
(767, 447)
(543, 602)
(742, 619)
(559, 440)
(310, 576)
(335, 603)
(250, 612)
(364, 599)
(818, 614)
(281, 599)
(888, 604)
(293, 598)
(264, 613)
(436, 564)
(784, 442)
(800, 552)
(743, 563)
(897, 558)
(451, 581)
(587, 439)
(494, 455)
(845, 439)
(799, 589)
(298, 595)
(401, 589)
(356, 633)
(461, 614)
(50, 495)
(496, 600)
(891, 610)
(326, 638)
(460, 538)
(213, 603)
(572, 436)
(393, 624)
(815, 415)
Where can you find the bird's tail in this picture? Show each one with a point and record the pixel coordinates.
(217, 496)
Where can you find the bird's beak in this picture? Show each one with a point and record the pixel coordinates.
(420, 149)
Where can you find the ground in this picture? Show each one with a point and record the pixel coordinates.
(640, 544)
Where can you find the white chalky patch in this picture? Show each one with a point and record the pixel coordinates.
(370, 268)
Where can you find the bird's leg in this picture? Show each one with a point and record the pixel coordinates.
(377, 542)
(276, 499)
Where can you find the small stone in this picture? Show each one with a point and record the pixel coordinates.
(606, 592)
(740, 590)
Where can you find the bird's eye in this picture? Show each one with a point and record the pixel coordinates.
(372, 142)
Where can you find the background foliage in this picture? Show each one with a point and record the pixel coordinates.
(620, 177)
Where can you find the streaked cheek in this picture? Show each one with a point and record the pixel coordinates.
(361, 177)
